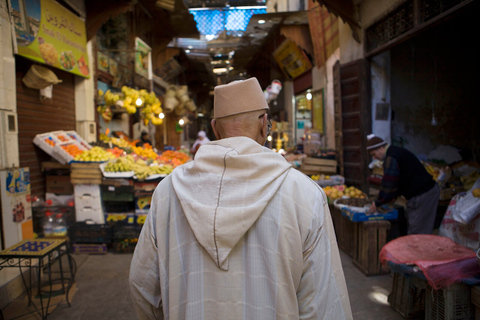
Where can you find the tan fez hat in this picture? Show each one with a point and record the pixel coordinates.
(237, 97)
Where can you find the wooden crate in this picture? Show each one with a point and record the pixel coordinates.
(369, 239)
(317, 166)
(85, 173)
(343, 231)
(408, 295)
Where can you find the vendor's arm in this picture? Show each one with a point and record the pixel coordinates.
(391, 175)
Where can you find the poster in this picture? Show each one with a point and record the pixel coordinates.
(48, 33)
(16, 205)
(142, 58)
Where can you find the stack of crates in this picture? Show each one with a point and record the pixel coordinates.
(125, 237)
(89, 237)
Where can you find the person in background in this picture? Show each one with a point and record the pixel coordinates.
(238, 233)
(404, 174)
(201, 140)
(143, 139)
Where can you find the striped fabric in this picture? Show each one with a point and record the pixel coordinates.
(238, 234)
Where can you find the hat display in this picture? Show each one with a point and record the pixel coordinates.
(237, 97)
(374, 142)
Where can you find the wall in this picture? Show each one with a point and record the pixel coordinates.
(85, 98)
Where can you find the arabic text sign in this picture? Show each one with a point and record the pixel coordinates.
(49, 33)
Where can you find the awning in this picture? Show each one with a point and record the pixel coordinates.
(346, 11)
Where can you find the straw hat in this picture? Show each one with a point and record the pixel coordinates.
(374, 142)
(238, 97)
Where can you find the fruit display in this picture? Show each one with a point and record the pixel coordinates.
(96, 154)
(433, 170)
(121, 164)
(130, 99)
(174, 158)
(142, 172)
(320, 177)
(335, 192)
(72, 149)
(117, 152)
(476, 192)
(122, 143)
(145, 152)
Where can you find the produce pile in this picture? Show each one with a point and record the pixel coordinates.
(339, 191)
(131, 99)
(124, 156)
(141, 168)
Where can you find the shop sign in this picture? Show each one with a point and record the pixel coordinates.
(143, 58)
(49, 33)
(291, 59)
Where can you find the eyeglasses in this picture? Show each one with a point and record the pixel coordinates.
(269, 123)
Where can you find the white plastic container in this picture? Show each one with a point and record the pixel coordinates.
(60, 225)
(49, 224)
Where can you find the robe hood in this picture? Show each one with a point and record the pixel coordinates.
(226, 189)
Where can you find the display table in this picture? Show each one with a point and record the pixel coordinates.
(40, 255)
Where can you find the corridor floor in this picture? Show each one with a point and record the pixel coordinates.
(101, 291)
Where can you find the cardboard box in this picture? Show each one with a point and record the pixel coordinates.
(58, 184)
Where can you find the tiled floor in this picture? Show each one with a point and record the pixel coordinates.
(102, 291)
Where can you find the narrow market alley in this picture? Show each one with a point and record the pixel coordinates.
(101, 292)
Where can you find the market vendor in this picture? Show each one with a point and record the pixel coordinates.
(144, 139)
(404, 174)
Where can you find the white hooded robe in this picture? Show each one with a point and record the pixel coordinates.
(238, 234)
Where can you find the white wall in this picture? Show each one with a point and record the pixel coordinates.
(350, 50)
(9, 155)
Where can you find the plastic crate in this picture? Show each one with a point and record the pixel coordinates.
(450, 303)
(41, 141)
(86, 232)
(356, 216)
(62, 154)
(75, 136)
(408, 295)
(125, 237)
(117, 193)
(123, 231)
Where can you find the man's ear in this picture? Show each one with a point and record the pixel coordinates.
(215, 131)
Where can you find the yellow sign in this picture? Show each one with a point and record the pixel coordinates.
(291, 59)
(49, 33)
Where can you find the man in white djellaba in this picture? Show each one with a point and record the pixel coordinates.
(238, 233)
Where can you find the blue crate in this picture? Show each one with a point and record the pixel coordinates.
(354, 216)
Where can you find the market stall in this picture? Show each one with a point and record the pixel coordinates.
(102, 191)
